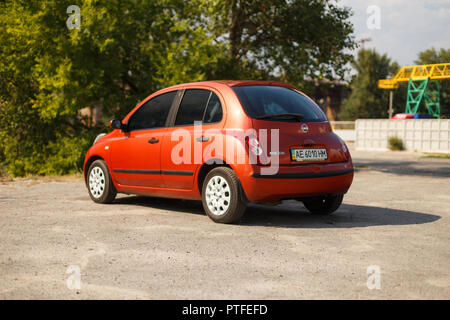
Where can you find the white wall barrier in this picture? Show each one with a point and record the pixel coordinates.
(344, 129)
(425, 135)
(346, 135)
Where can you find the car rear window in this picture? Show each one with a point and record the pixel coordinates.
(261, 101)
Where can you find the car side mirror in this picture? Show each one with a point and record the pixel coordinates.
(117, 124)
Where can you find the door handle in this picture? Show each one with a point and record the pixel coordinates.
(202, 139)
(153, 140)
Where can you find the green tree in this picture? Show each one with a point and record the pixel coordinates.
(284, 40)
(366, 100)
(123, 51)
(431, 56)
(126, 49)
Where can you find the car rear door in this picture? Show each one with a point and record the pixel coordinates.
(184, 143)
(136, 154)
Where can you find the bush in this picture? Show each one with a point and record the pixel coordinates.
(61, 154)
(66, 155)
(395, 144)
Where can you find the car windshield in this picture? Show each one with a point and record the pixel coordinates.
(278, 103)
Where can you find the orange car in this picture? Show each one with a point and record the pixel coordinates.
(226, 143)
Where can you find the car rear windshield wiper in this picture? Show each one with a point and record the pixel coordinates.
(286, 116)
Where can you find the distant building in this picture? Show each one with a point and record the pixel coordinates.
(329, 95)
(91, 116)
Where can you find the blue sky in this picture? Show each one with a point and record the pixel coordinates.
(406, 26)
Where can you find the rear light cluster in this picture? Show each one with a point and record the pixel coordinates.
(253, 145)
(256, 152)
(344, 148)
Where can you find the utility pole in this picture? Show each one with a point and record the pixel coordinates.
(391, 100)
(362, 41)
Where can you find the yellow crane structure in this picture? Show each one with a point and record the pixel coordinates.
(423, 85)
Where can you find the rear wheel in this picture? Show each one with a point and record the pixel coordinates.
(100, 186)
(323, 205)
(222, 196)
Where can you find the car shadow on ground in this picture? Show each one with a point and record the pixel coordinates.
(411, 168)
(187, 206)
(292, 214)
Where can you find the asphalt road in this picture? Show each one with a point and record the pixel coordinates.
(395, 219)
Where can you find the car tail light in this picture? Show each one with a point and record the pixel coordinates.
(344, 148)
(254, 146)
(256, 152)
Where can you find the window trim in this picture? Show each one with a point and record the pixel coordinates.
(174, 108)
(206, 107)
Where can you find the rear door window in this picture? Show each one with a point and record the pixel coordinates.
(153, 113)
(198, 105)
(213, 111)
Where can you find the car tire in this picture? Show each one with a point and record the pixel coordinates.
(99, 183)
(223, 198)
(323, 205)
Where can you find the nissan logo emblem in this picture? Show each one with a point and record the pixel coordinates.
(304, 128)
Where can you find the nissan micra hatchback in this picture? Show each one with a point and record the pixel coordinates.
(226, 143)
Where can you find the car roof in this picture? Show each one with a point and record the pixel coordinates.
(213, 84)
(235, 83)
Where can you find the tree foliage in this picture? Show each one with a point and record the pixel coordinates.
(126, 49)
(366, 100)
(288, 40)
(123, 51)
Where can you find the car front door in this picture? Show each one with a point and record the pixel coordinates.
(136, 154)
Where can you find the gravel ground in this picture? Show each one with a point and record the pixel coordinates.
(395, 217)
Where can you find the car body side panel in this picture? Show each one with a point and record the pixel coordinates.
(102, 149)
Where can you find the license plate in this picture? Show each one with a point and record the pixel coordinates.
(309, 154)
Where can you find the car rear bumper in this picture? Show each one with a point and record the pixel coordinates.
(298, 181)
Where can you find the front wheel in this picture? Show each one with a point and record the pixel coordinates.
(222, 196)
(323, 205)
(100, 186)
